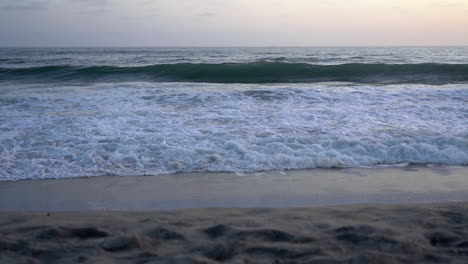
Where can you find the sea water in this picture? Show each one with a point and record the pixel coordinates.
(74, 112)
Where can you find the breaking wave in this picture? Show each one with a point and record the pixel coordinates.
(257, 72)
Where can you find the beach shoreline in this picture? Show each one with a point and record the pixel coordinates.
(275, 189)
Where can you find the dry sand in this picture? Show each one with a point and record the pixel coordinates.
(423, 233)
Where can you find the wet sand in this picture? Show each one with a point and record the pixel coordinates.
(295, 188)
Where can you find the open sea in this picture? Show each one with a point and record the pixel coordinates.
(79, 112)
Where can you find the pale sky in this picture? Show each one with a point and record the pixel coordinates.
(233, 22)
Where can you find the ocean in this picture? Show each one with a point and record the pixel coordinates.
(82, 112)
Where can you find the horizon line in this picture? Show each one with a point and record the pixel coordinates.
(240, 46)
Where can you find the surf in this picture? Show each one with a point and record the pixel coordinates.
(254, 72)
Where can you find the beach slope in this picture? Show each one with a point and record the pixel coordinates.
(368, 233)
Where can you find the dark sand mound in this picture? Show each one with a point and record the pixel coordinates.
(426, 233)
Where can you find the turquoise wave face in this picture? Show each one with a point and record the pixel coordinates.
(256, 72)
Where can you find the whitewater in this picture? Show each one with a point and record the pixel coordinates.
(90, 112)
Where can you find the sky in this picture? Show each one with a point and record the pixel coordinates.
(142, 23)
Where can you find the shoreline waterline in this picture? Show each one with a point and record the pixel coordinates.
(273, 189)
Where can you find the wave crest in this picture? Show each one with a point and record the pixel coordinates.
(258, 72)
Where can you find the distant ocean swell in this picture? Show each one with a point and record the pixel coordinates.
(257, 72)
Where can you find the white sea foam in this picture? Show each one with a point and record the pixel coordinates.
(157, 128)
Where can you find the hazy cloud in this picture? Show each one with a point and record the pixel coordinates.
(92, 2)
(238, 22)
(139, 17)
(207, 14)
(23, 4)
(327, 2)
(449, 4)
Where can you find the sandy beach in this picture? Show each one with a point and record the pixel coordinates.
(385, 215)
(420, 233)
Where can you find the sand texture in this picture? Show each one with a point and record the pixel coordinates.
(422, 233)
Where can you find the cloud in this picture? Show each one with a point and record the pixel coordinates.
(92, 2)
(23, 4)
(139, 17)
(207, 14)
(327, 2)
(449, 4)
(92, 7)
